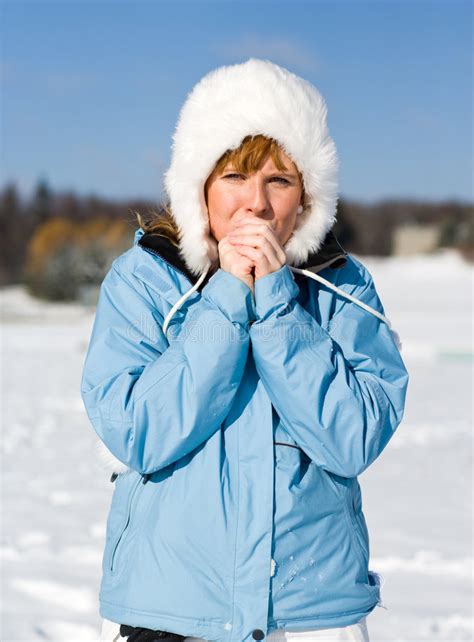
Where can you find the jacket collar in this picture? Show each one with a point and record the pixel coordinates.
(330, 254)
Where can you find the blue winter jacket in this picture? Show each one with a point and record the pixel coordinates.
(244, 430)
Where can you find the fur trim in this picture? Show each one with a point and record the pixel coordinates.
(229, 103)
(107, 460)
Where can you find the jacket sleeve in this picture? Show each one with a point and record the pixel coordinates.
(152, 402)
(340, 393)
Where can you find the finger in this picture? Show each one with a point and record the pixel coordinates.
(257, 226)
(227, 250)
(257, 255)
(225, 246)
(270, 247)
(262, 261)
(253, 220)
(252, 224)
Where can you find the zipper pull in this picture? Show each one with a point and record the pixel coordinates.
(145, 477)
(113, 477)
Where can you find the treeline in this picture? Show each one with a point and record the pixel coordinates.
(59, 243)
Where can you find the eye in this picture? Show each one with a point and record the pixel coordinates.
(233, 175)
(282, 180)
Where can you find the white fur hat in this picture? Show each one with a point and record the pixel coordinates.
(227, 104)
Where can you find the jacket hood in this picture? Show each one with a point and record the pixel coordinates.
(227, 104)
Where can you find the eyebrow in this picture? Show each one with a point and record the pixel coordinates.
(291, 174)
(277, 173)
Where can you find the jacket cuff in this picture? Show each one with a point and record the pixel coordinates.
(274, 292)
(231, 296)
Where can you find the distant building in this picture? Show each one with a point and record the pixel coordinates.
(415, 238)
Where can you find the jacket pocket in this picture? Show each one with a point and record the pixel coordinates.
(358, 530)
(122, 533)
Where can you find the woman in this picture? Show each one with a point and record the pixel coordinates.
(241, 374)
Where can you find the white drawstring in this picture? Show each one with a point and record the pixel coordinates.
(312, 275)
(182, 299)
(316, 277)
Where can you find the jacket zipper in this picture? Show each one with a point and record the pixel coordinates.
(360, 528)
(142, 479)
(357, 528)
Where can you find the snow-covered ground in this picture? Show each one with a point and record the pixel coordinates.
(417, 495)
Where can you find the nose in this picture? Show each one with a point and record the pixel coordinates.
(257, 198)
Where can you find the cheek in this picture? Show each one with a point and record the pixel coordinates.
(289, 227)
(221, 200)
(286, 222)
(287, 217)
(220, 209)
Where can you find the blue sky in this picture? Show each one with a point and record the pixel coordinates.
(91, 90)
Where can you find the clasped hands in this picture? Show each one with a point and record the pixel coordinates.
(251, 250)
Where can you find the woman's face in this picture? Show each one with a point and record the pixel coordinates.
(268, 194)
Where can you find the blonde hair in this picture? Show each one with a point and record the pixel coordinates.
(251, 154)
(162, 223)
